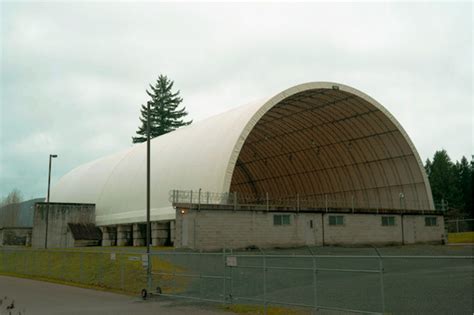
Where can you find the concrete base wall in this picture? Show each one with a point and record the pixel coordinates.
(56, 218)
(216, 229)
(15, 236)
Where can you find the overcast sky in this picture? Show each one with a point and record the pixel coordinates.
(73, 75)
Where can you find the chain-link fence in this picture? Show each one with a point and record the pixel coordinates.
(299, 201)
(315, 280)
(459, 225)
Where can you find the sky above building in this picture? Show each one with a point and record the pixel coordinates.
(73, 75)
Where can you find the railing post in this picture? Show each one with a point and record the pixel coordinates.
(326, 201)
(352, 203)
(199, 199)
(268, 202)
(235, 200)
(297, 202)
(207, 197)
(191, 199)
(457, 225)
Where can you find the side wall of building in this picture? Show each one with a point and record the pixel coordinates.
(216, 229)
(59, 215)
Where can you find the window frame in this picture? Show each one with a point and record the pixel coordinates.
(281, 220)
(336, 221)
(388, 220)
(431, 221)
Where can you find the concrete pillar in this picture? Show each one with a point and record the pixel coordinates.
(28, 239)
(172, 231)
(109, 235)
(124, 235)
(159, 233)
(138, 234)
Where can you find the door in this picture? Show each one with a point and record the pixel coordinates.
(309, 232)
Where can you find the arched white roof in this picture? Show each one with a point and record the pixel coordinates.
(237, 150)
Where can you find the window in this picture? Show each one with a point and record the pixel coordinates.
(336, 220)
(431, 221)
(388, 221)
(281, 219)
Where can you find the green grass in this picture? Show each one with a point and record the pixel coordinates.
(464, 237)
(92, 269)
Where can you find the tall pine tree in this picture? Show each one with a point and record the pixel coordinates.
(164, 113)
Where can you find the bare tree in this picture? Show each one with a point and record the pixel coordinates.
(13, 197)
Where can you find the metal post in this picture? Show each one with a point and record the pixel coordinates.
(352, 203)
(297, 202)
(199, 199)
(235, 200)
(315, 286)
(382, 293)
(51, 156)
(264, 284)
(207, 197)
(457, 225)
(148, 227)
(326, 201)
(191, 199)
(224, 261)
(268, 202)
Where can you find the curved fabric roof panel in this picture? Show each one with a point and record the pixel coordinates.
(315, 139)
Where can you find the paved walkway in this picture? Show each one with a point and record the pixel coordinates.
(31, 297)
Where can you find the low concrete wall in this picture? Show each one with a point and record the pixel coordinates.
(15, 236)
(56, 220)
(216, 229)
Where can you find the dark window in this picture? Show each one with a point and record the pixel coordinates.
(281, 219)
(388, 221)
(431, 221)
(336, 220)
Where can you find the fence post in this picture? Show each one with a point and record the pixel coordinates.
(264, 284)
(382, 293)
(457, 225)
(191, 199)
(207, 197)
(315, 285)
(224, 286)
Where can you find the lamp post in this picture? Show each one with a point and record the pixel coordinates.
(148, 227)
(51, 156)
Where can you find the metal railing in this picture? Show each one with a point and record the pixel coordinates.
(368, 282)
(298, 201)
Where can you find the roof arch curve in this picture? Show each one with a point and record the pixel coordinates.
(313, 139)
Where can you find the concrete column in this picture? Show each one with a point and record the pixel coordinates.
(124, 235)
(109, 235)
(172, 231)
(138, 235)
(159, 233)
(28, 239)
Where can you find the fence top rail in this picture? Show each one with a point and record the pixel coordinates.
(237, 254)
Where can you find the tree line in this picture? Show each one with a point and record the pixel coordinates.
(451, 183)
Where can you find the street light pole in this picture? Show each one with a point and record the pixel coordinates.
(51, 156)
(148, 196)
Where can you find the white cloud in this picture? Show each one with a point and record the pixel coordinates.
(74, 74)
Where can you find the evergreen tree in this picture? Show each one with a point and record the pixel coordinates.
(465, 173)
(443, 178)
(164, 113)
